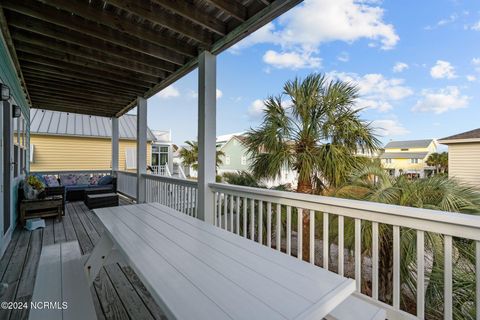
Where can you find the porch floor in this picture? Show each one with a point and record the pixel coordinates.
(117, 292)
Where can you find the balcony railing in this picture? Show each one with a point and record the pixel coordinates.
(127, 184)
(345, 236)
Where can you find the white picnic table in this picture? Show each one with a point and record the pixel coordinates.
(198, 271)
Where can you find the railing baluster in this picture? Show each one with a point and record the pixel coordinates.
(260, 222)
(312, 237)
(358, 254)
(237, 215)
(244, 217)
(340, 245)
(420, 274)
(252, 219)
(215, 210)
(477, 278)
(225, 211)
(278, 232)
(448, 313)
(231, 213)
(269, 224)
(299, 233)
(325, 240)
(375, 260)
(396, 267)
(219, 210)
(289, 230)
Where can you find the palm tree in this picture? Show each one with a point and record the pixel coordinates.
(316, 135)
(439, 161)
(189, 155)
(372, 183)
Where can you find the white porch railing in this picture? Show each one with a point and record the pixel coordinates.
(347, 239)
(57, 173)
(127, 183)
(179, 194)
(161, 170)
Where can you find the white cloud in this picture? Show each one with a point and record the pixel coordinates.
(476, 26)
(442, 69)
(471, 78)
(400, 67)
(291, 60)
(302, 30)
(376, 91)
(441, 101)
(476, 63)
(443, 22)
(389, 127)
(169, 92)
(219, 93)
(193, 94)
(256, 108)
(343, 57)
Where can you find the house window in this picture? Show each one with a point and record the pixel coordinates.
(244, 160)
(388, 161)
(403, 149)
(413, 160)
(130, 158)
(227, 160)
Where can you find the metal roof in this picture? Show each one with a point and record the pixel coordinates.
(472, 134)
(409, 144)
(404, 155)
(80, 125)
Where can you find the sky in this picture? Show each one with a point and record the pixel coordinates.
(416, 64)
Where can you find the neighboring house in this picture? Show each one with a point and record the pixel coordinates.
(464, 157)
(61, 141)
(408, 157)
(162, 152)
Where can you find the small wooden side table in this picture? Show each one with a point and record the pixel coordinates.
(41, 208)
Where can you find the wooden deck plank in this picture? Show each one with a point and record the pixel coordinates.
(114, 290)
(111, 304)
(132, 302)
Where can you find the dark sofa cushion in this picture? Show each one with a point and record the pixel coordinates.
(105, 180)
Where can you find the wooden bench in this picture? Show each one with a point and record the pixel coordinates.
(354, 308)
(60, 278)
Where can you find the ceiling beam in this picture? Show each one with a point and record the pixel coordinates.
(51, 57)
(81, 76)
(74, 93)
(63, 67)
(192, 13)
(55, 79)
(233, 8)
(61, 18)
(34, 28)
(41, 43)
(145, 9)
(50, 98)
(72, 108)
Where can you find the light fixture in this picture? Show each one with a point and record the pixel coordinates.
(16, 111)
(5, 92)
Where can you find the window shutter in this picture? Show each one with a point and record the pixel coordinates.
(131, 158)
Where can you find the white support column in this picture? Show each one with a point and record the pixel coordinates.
(115, 145)
(141, 148)
(207, 105)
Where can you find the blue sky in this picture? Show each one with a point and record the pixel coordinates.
(417, 65)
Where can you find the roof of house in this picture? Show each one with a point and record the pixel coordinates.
(472, 134)
(408, 144)
(404, 155)
(226, 137)
(80, 125)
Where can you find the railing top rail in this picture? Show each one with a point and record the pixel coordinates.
(451, 223)
(53, 172)
(183, 182)
(128, 173)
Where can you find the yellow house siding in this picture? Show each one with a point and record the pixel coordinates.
(404, 164)
(62, 153)
(464, 162)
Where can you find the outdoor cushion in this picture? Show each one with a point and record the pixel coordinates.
(105, 180)
(51, 181)
(83, 179)
(94, 179)
(68, 179)
(98, 186)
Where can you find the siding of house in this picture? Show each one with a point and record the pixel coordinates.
(404, 163)
(63, 153)
(235, 150)
(464, 162)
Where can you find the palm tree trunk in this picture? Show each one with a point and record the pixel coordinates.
(305, 187)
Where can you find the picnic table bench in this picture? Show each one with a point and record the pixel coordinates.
(198, 271)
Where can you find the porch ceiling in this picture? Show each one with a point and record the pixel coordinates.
(95, 57)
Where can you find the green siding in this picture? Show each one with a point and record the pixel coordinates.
(235, 150)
